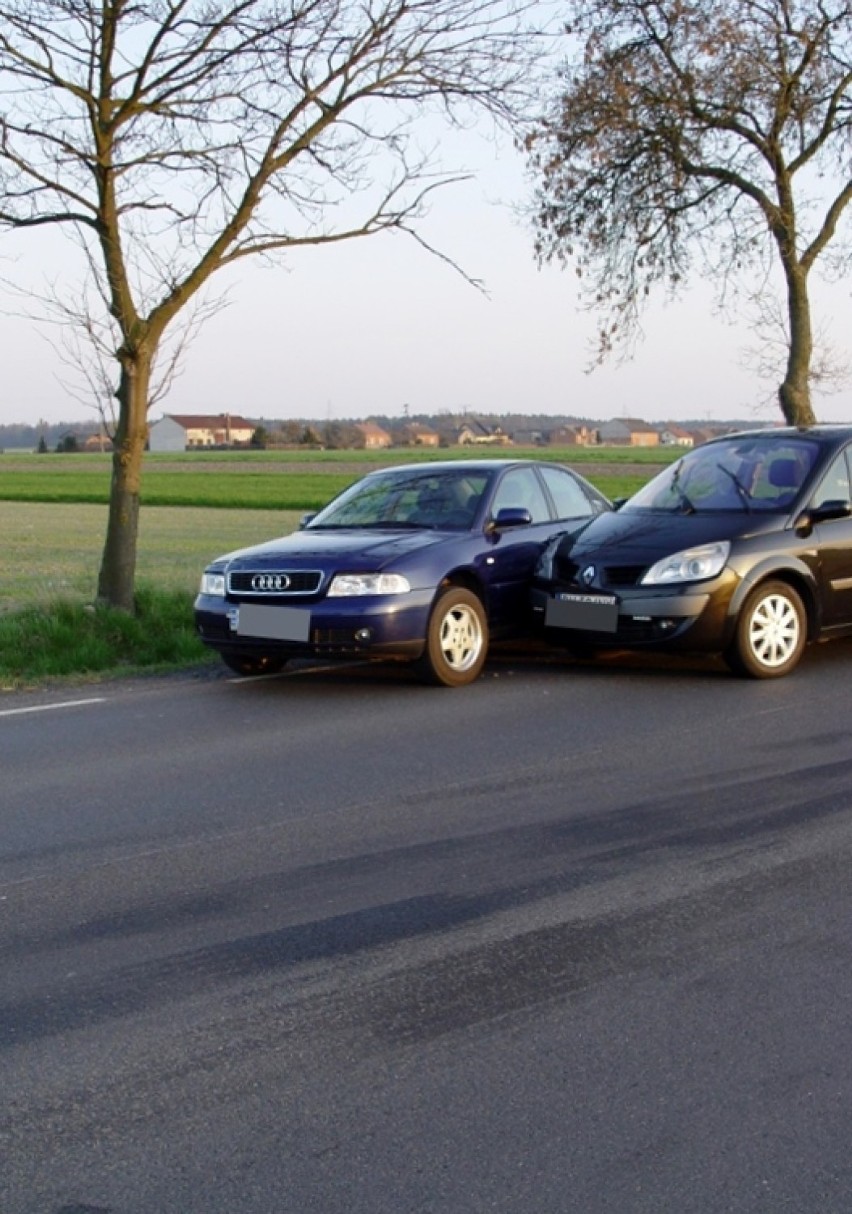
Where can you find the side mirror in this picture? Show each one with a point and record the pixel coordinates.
(307, 518)
(510, 516)
(835, 508)
(618, 502)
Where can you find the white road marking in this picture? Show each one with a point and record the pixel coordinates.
(18, 712)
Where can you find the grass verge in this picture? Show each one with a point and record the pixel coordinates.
(48, 572)
(65, 638)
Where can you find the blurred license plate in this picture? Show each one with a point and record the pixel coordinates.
(588, 612)
(272, 623)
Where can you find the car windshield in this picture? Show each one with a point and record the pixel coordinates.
(746, 473)
(408, 498)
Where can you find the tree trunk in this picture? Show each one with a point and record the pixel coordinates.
(794, 394)
(117, 580)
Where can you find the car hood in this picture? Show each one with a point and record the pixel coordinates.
(325, 549)
(635, 537)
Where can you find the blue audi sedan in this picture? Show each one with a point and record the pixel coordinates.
(423, 562)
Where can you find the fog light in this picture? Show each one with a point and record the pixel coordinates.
(363, 636)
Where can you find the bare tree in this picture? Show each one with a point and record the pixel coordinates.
(690, 134)
(84, 336)
(177, 137)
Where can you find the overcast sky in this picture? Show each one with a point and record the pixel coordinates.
(378, 324)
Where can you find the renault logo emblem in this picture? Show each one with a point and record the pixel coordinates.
(588, 575)
(270, 581)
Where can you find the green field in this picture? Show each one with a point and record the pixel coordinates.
(52, 552)
(281, 480)
(281, 490)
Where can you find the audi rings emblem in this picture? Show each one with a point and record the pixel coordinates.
(270, 581)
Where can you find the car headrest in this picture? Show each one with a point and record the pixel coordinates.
(784, 474)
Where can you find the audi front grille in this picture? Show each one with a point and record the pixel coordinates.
(267, 583)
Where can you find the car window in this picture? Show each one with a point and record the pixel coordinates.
(567, 494)
(834, 486)
(747, 472)
(777, 479)
(447, 501)
(419, 497)
(520, 488)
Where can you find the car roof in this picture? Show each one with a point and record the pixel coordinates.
(826, 432)
(469, 465)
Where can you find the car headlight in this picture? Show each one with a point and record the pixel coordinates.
(345, 585)
(213, 582)
(691, 565)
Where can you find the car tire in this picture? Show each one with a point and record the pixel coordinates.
(771, 633)
(248, 664)
(456, 639)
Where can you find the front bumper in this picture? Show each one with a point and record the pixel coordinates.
(694, 617)
(391, 626)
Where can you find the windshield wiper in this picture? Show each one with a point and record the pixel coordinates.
(404, 524)
(745, 496)
(685, 500)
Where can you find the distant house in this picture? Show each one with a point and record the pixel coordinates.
(676, 436)
(415, 434)
(629, 432)
(178, 432)
(559, 436)
(529, 438)
(572, 436)
(473, 432)
(373, 435)
(96, 442)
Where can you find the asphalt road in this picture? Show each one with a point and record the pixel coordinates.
(576, 938)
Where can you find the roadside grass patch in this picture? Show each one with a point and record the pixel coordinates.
(64, 638)
(48, 574)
